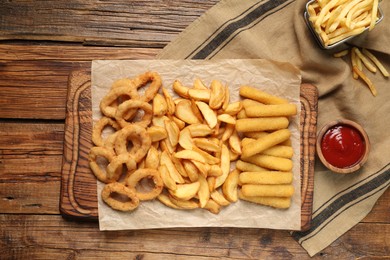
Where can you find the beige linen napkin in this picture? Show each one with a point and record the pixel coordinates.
(275, 29)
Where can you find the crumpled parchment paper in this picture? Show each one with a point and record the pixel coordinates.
(280, 79)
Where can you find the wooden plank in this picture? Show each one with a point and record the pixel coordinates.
(35, 89)
(71, 52)
(33, 197)
(76, 202)
(33, 79)
(38, 235)
(30, 167)
(137, 23)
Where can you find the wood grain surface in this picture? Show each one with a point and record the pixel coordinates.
(41, 43)
(78, 187)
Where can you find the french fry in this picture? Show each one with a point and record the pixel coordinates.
(375, 60)
(364, 59)
(366, 80)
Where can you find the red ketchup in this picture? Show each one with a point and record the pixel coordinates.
(343, 146)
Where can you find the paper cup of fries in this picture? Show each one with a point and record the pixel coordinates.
(333, 22)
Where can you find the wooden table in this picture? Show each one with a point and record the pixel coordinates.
(42, 42)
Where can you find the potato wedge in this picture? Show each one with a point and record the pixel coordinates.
(199, 130)
(200, 94)
(185, 139)
(185, 191)
(208, 114)
(219, 198)
(180, 89)
(217, 95)
(185, 113)
(225, 166)
(160, 106)
(229, 187)
(203, 192)
(165, 159)
(226, 118)
(168, 181)
(190, 155)
(157, 133)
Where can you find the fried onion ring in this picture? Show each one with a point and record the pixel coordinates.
(108, 104)
(149, 173)
(111, 190)
(96, 152)
(138, 136)
(143, 79)
(98, 129)
(130, 105)
(114, 168)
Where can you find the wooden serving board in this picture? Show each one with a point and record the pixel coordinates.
(78, 185)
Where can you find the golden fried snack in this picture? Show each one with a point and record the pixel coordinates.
(261, 96)
(111, 190)
(134, 179)
(266, 177)
(114, 168)
(93, 155)
(108, 104)
(155, 83)
(140, 139)
(261, 124)
(271, 110)
(264, 190)
(270, 162)
(98, 129)
(131, 104)
(263, 143)
(276, 202)
(248, 167)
